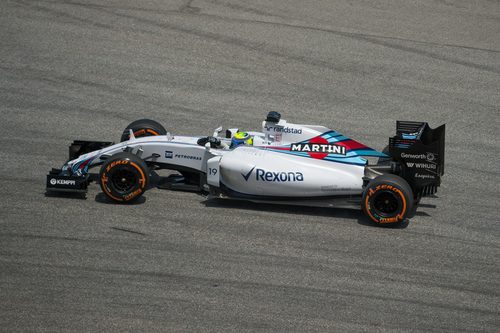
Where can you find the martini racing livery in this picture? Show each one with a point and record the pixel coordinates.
(283, 163)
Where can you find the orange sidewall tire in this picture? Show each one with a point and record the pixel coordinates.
(107, 171)
(401, 191)
(368, 209)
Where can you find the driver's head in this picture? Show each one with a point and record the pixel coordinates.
(240, 138)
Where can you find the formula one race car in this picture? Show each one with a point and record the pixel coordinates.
(285, 163)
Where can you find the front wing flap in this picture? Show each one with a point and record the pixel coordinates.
(60, 183)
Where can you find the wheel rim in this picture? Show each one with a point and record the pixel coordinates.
(145, 132)
(123, 181)
(386, 204)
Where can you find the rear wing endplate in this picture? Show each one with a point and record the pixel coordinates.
(419, 151)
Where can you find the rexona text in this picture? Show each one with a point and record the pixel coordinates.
(267, 176)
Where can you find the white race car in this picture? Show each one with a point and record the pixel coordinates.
(284, 163)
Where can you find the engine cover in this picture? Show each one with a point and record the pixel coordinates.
(260, 172)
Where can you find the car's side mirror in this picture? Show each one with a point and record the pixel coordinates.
(217, 131)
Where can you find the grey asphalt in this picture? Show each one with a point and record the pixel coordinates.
(176, 263)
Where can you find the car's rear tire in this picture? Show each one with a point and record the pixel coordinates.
(388, 200)
(124, 177)
(143, 127)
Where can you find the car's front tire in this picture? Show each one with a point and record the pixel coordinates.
(124, 177)
(388, 200)
(143, 127)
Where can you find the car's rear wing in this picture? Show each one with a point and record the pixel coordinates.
(419, 152)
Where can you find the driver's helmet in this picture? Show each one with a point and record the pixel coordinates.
(241, 138)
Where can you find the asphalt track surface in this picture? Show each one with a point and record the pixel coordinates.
(176, 263)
